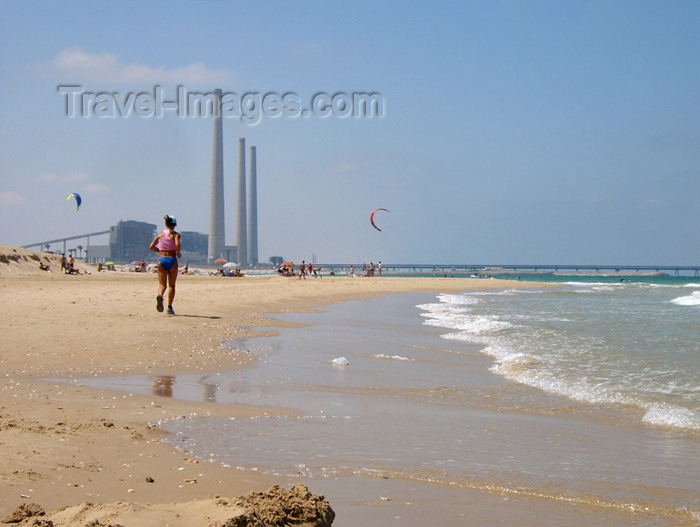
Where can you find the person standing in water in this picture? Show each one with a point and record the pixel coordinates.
(167, 245)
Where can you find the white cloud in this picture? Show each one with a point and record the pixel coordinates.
(11, 198)
(81, 178)
(96, 188)
(74, 177)
(79, 65)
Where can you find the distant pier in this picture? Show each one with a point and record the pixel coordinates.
(87, 236)
(676, 270)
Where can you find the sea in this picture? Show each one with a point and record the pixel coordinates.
(570, 405)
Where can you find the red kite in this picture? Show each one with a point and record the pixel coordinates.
(371, 218)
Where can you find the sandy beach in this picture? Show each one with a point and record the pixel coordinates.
(65, 445)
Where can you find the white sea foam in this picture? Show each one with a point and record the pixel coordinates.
(504, 292)
(470, 325)
(674, 416)
(538, 372)
(464, 337)
(551, 342)
(670, 286)
(459, 299)
(391, 357)
(593, 284)
(605, 287)
(452, 313)
(692, 299)
(441, 310)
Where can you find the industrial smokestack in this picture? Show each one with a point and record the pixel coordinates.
(216, 200)
(253, 210)
(241, 228)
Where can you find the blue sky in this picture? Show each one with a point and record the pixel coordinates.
(513, 132)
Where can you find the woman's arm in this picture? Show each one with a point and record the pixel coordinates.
(153, 247)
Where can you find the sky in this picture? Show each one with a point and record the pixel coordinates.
(509, 132)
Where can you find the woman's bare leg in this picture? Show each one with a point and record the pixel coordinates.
(162, 280)
(171, 277)
(162, 284)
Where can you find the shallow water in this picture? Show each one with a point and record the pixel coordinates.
(633, 344)
(419, 429)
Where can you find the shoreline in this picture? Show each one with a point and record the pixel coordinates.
(64, 444)
(395, 388)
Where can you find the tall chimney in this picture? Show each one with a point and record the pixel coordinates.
(241, 228)
(253, 210)
(216, 199)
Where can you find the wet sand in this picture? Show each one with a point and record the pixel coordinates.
(416, 430)
(63, 444)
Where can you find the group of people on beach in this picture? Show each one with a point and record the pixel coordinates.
(287, 269)
(68, 265)
(309, 269)
(367, 270)
(140, 268)
(227, 272)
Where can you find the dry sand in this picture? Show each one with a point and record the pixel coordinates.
(63, 445)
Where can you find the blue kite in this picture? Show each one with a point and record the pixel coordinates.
(78, 199)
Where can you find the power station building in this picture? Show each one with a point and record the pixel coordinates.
(129, 240)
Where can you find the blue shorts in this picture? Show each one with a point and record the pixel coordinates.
(167, 262)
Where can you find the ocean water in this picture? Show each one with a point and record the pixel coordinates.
(576, 405)
(628, 343)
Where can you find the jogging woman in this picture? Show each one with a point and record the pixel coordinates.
(167, 245)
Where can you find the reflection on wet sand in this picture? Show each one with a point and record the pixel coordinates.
(163, 385)
(209, 388)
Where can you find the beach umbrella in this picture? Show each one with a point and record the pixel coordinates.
(230, 265)
(135, 262)
(109, 263)
(220, 261)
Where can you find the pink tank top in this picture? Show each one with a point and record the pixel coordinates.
(166, 242)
